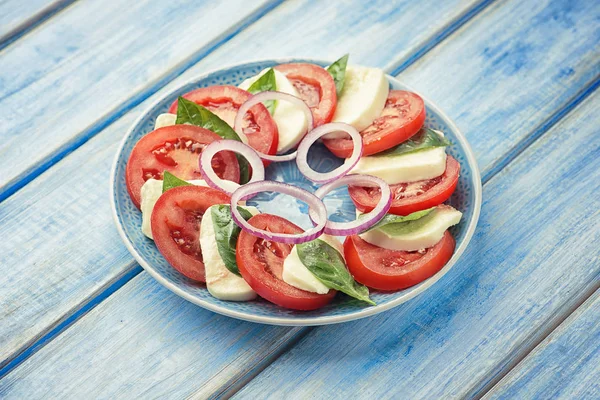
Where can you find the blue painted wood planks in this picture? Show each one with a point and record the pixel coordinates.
(18, 17)
(476, 76)
(566, 365)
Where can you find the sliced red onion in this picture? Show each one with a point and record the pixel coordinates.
(211, 178)
(260, 98)
(367, 220)
(313, 136)
(316, 207)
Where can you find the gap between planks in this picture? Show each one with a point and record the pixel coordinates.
(482, 388)
(400, 65)
(33, 22)
(28, 349)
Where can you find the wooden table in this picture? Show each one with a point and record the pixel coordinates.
(517, 317)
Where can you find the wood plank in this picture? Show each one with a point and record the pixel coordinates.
(96, 258)
(91, 63)
(564, 366)
(17, 16)
(533, 255)
(117, 81)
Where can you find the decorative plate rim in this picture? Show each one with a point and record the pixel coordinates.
(299, 320)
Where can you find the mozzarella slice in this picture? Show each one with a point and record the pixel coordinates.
(290, 119)
(411, 167)
(151, 191)
(165, 119)
(296, 274)
(415, 235)
(221, 283)
(362, 99)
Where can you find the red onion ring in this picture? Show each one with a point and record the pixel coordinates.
(260, 98)
(313, 136)
(209, 175)
(369, 219)
(315, 205)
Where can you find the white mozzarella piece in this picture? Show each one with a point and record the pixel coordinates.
(165, 119)
(422, 233)
(151, 191)
(411, 167)
(220, 282)
(296, 274)
(362, 99)
(290, 120)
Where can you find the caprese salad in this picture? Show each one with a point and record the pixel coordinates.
(192, 174)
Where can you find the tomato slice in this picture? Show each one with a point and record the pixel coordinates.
(384, 269)
(408, 198)
(402, 117)
(175, 149)
(315, 86)
(176, 226)
(261, 265)
(225, 101)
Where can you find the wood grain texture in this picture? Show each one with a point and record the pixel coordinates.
(85, 65)
(534, 252)
(17, 16)
(81, 247)
(565, 365)
(524, 60)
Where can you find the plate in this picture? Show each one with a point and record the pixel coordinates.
(467, 199)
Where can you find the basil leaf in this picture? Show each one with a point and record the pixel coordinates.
(189, 112)
(390, 219)
(266, 83)
(328, 265)
(408, 227)
(226, 233)
(170, 181)
(425, 139)
(337, 70)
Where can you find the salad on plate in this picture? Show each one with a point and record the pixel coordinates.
(192, 175)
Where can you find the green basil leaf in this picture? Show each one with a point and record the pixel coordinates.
(425, 139)
(328, 265)
(337, 70)
(189, 112)
(226, 233)
(170, 181)
(266, 83)
(390, 219)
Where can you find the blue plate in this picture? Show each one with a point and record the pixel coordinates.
(128, 218)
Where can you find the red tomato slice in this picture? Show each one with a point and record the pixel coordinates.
(402, 117)
(411, 197)
(175, 149)
(261, 265)
(176, 226)
(225, 101)
(384, 269)
(315, 86)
